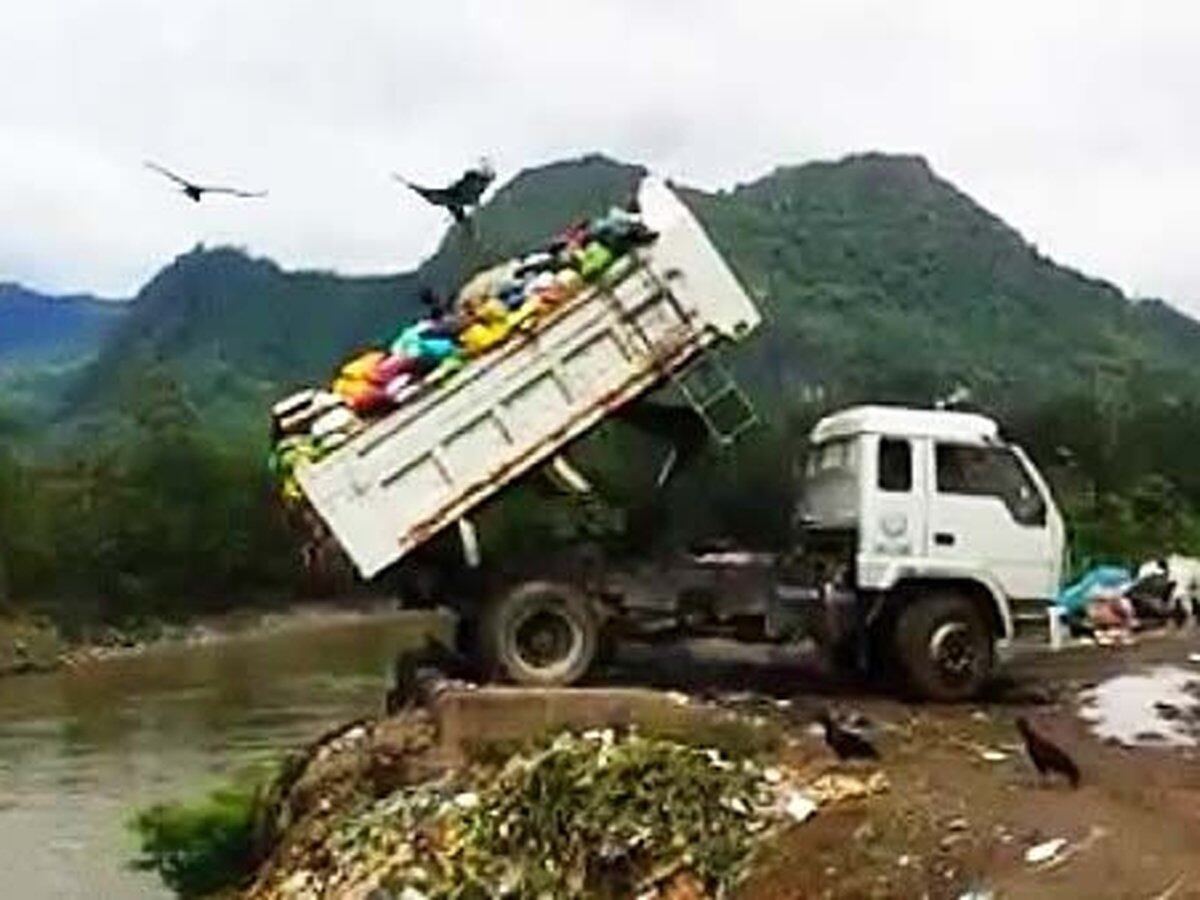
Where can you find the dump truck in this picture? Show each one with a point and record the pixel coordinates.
(920, 533)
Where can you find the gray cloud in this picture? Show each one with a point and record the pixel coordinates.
(1071, 120)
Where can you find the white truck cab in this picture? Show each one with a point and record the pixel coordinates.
(937, 504)
(935, 494)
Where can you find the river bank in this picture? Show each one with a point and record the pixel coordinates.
(84, 747)
(953, 807)
(33, 643)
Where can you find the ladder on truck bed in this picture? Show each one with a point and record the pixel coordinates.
(715, 396)
(705, 381)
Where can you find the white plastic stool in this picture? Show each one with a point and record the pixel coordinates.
(1057, 620)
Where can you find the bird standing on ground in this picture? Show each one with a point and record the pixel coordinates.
(460, 196)
(415, 671)
(846, 744)
(1047, 757)
(194, 191)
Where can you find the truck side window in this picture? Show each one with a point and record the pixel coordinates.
(895, 465)
(990, 472)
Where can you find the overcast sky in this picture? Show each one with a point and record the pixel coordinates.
(1075, 121)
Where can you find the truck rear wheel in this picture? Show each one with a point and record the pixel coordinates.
(540, 633)
(943, 643)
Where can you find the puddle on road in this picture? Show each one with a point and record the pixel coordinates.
(1158, 707)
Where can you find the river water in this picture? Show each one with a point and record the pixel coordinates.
(81, 749)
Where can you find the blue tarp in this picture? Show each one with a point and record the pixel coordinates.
(1075, 597)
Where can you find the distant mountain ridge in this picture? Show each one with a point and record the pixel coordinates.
(879, 280)
(33, 324)
(894, 284)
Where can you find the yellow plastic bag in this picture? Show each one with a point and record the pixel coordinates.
(352, 389)
(526, 315)
(362, 365)
(482, 336)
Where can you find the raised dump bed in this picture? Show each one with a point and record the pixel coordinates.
(432, 461)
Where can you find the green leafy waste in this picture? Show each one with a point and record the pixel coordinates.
(592, 815)
(202, 846)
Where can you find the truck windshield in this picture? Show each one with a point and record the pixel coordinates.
(830, 497)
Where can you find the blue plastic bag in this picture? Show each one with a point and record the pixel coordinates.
(1075, 597)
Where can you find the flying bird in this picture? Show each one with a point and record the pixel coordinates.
(195, 191)
(461, 195)
(1047, 757)
(846, 744)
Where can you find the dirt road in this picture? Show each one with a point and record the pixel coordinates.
(957, 820)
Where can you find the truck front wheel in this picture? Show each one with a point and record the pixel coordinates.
(540, 633)
(944, 644)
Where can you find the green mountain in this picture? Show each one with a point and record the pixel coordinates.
(879, 281)
(235, 331)
(878, 278)
(885, 281)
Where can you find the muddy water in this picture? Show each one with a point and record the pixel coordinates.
(80, 749)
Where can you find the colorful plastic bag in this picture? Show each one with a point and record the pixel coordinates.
(362, 365)
(593, 260)
(482, 336)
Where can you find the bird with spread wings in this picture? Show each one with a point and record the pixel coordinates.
(194, 191)
(459, 196)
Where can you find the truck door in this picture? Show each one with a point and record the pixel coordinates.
(893, 522)
(985, 511)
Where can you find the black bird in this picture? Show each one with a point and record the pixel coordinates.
(846, 744)
(195, 191)
(461, 195)
(1047, 757)
(415, 671)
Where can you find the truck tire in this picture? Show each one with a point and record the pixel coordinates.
(944, 645)
(540, 633)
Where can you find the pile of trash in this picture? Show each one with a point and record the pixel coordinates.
(1097, 602)
(509, 299)
(1109, 603)
(588, 815)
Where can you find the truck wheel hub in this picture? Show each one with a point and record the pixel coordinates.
(544, 638)
(952, 650)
